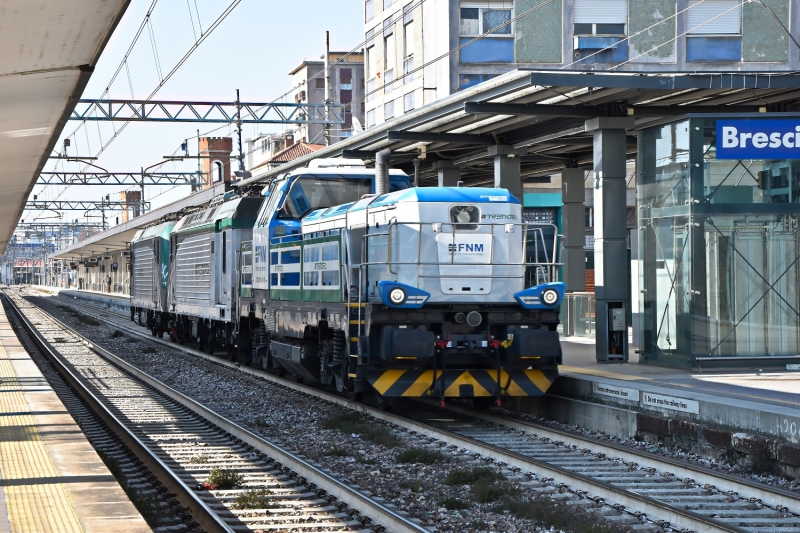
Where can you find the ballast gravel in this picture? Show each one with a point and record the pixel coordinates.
(663, 450)
(295, 421)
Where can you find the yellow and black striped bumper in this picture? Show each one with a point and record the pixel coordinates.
(461, 383)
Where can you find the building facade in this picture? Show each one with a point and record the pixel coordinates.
(609, 35)
(347, 88)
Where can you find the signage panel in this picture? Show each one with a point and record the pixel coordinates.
(758, 139)
(673, 403)
(622, 393)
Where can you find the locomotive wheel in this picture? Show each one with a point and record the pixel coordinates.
(351, 389)
(210, 341)
(353, 395)
(244, 348)
(383, 403)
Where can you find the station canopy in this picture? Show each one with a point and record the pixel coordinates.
(542, 113)
(49, 53)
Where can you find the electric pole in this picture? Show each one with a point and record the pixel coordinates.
(327, 89)
(239, 130)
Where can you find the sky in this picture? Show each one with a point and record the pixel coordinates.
(252, 50)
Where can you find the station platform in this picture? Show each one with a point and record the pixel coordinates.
(627, 399)
(113, 301)
(51, 478)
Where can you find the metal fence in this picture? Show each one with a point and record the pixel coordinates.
(577, 315)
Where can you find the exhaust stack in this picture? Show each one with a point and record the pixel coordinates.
(382, 171)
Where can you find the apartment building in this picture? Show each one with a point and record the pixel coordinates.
(418, 51)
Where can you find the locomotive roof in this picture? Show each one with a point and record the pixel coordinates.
(470, 195)
(237, 213)
(160, 230)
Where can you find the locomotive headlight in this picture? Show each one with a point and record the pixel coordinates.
(397, 296)
(550, 297)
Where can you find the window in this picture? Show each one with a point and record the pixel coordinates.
(408, 102)
(497, 18)
(388, 110)
(470, 21)
(479, 20)
(714, 17)
(369, 10)
(371, 84)
(330, 278)
(370, 118)
(468, 80)
(609, 17)
(408, 13)
(319, 82)
(408, 39)
(346, 79)
(387, 4)
(408, 67)
(714, 29)
(389, 49)
(388, 81)
(486, 18)
(309, 193)
(408, 44)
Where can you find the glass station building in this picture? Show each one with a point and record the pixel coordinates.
(718, 200)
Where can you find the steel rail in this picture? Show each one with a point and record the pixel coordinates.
(379, 514)
(701, 475)
(680, 518)
(204, 516)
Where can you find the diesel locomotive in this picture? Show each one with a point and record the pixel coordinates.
(347, 276)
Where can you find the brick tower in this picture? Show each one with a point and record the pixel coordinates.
(216, 162)
(134, 201)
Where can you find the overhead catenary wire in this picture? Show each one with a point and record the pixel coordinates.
(779, 21)
(427, 64)
(164, 79)
(450, 52)
(681, 34)
(341, 59)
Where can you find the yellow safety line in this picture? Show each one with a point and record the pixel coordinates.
(34, 502)
(602, 373)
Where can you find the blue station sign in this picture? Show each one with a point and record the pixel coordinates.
(758, 139)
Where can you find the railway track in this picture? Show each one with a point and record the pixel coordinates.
(657, 491)
(228, 478)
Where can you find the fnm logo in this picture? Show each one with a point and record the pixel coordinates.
(464, 247)
(261, 254)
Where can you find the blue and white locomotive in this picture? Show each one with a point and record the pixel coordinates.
(356, 279)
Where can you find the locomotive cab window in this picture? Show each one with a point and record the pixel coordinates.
(311, 193)
(465, 217)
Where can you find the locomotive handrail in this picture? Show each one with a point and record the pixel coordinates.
(546, 271)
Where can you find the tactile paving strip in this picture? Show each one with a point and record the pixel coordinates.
(35, 500)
